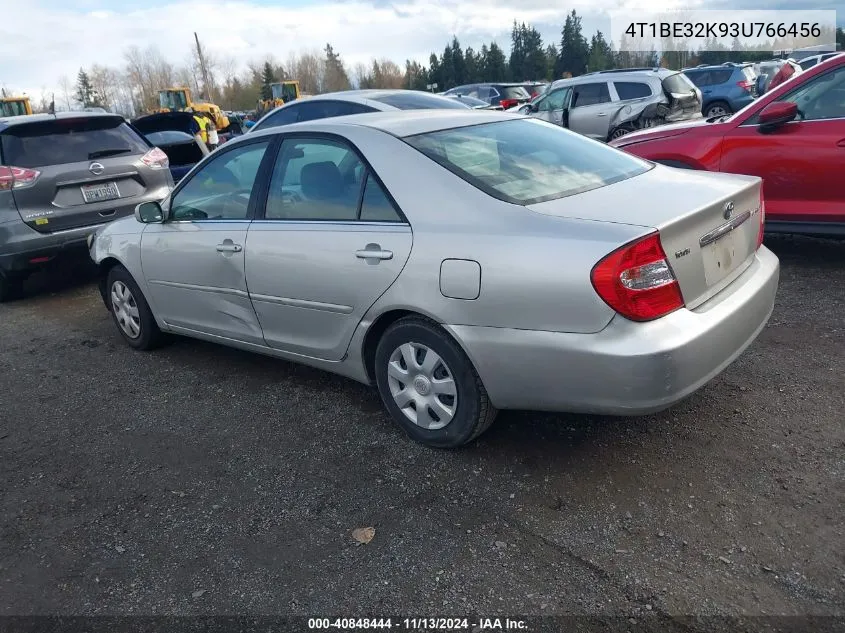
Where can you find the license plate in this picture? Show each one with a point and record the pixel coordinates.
(724, 255)
(99, 193)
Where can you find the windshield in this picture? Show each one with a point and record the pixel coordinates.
(526, 161)
(12, 108)
(172, 99)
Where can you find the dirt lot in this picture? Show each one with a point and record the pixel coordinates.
(202, 480)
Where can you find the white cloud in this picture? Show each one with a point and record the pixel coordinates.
(42, 44)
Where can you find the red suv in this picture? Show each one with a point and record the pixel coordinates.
(793, 137)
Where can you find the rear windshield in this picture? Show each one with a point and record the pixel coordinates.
(678, 83)
(60, 141)
(514, 92)
(526, 161)
(417, 101)
(749, 74)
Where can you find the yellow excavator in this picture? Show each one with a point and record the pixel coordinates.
(15, 106)
(283, 92)
(179, 100)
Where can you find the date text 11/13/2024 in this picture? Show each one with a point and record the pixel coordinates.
(419, 624)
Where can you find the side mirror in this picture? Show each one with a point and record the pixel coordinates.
(776, 114)
(149, 213)
(533, 107)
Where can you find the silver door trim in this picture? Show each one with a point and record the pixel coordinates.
(303, 303)
(215, 289)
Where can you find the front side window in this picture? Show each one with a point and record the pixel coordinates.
(555, 100)
(821, 98)
(590, 94)
(222, 189)
(527, 161)
(12, 108)
(631, 90)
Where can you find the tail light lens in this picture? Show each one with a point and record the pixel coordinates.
(17, 177)
(155, 159)
(508, 103)
(745, 85)
(637, 282)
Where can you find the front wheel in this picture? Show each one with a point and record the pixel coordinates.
(429, 386)
(131, 312)
(718, 108)
(619, 133)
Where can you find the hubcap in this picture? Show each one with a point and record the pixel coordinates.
(125, 309)
(618, 134)
(716, 111)
(422, 386)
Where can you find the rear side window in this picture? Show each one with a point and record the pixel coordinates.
(590, 94)
(417, 101)
(285, 116)
(328, 109)
(631, 90)
(61, 141)
(526, 161)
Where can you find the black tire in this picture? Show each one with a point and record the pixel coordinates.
(473, 413)
(619, 132)
(150, 336)
(11, 287)
(717, 104)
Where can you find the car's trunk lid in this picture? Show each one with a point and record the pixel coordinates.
(706, 246)
(88, 167)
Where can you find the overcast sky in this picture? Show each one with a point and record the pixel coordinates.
(46, 39)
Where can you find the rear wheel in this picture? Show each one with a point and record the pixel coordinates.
(429, 386)
(717, 108)
(619, 133)
(131, 312)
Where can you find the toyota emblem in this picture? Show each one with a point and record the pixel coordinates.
(96, 169)
(729, 209)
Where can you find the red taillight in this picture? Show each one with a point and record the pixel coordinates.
(636, 281)
(17, 177)
(508, 103)
(156, 159)
(745, 85)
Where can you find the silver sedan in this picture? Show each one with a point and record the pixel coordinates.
(461, 261)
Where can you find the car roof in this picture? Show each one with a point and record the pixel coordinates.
(399, 123)
(7, 122)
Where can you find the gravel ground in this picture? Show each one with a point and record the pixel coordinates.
(203, 480)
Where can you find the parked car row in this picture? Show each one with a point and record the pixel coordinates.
(793, 137)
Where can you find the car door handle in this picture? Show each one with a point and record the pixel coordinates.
(602, 114)
(373, 254)
(841, 143)
(229, 248)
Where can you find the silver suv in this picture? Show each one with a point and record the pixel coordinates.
(608, 104)
(62, 176)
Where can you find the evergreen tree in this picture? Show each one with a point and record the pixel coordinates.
(334, 77)
(574, 50)
(267, 78)
(495, 67)
(516, 62)
(447, 70)
(551, 62)
(601, 55)
(471, 67)
(435, 72)
(458, 62)
(84, 90)
(535, 65)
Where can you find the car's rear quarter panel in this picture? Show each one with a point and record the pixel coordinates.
(535, 269)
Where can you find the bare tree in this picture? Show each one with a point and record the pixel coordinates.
(361, 76)
(67, 90)
(148, 72)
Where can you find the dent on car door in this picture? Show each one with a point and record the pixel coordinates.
(194, 261)
(591, 109)
(331, 241)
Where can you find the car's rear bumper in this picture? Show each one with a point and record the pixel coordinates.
(628, 368)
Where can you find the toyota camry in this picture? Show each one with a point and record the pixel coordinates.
(462, 262)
